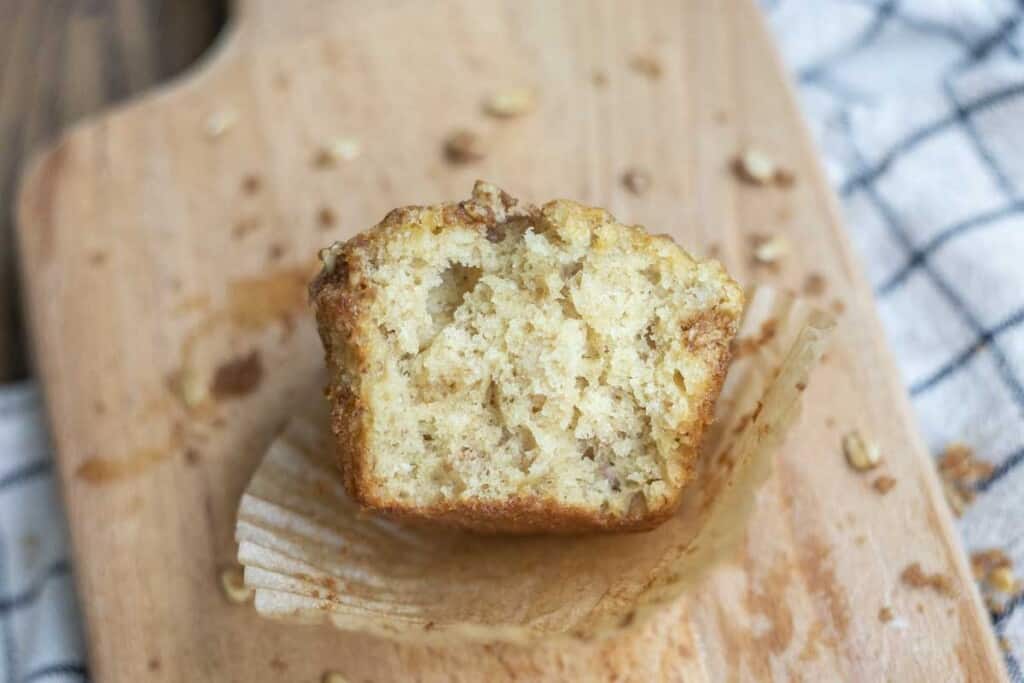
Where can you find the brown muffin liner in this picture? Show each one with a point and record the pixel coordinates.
(311, 555)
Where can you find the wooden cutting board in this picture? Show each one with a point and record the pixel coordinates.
(166, 244)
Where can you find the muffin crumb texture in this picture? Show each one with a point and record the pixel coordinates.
(508, 368)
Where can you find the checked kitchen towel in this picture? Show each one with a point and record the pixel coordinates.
(918, 107)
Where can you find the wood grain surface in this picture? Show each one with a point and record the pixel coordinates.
(167, 243)
(62, 60)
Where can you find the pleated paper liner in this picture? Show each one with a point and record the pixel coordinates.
(312, 555)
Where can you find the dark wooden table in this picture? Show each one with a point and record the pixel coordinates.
(61, 60)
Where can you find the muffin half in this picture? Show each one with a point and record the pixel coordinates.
(507, 368)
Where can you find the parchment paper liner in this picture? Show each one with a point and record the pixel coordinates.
(311, 555)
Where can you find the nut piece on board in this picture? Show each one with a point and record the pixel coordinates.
(861, 454)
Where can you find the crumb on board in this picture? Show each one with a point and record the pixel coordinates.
(884, 484)
(599, 78)
(276, 251)
(885, 614)
(838, 307)
(993, 570)
(914, 576)
(510, 102)
(636, 180)
(814, 284)
(961, 471)
(646, 65)
(238, 376)
(862, 454)
(463, 146)
(232, 584)
(984, 562)
(98, 257)
(755, 167)
(333, 677)
(251, 184)
(220, 122)
(325, 218)
(192, 456)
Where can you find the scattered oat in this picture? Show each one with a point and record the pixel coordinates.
(860, 453)
(915, 577)
(238, 377)
(190, 387)
(770, 250)
(325, 218)
(599, 78)
(511, 102)
(884, 484)
(646, 65)
(464, 146)
(636, 181)
(333, 677)
(232, 582)
(885, 615)
(251, 184)
(814, 284)
(220, 122)
(757, 168)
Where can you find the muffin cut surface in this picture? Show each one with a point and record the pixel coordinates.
(508, 368)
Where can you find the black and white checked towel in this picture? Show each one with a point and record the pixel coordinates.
(918, 107)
